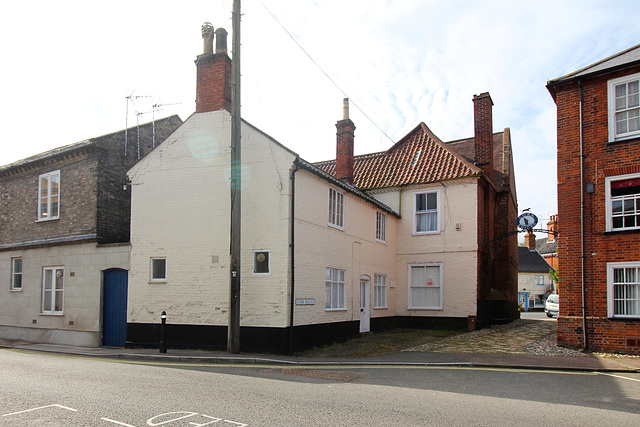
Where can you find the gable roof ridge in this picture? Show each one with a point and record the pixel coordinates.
(453, 152)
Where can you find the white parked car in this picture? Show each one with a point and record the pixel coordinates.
(551, 306)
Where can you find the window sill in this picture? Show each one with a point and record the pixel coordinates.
(335, 227)
(623, 231)
(380, 308)
(47, 219)
(52, 314)
(335, 309)
(631, 138)
(15, 290)
(425, 233)
(157, 282)
(425, 309)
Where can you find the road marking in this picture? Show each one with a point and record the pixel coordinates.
(117, 422)
(41, 407)
(618, 376)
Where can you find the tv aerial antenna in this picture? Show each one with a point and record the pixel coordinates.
(154, 108)
(131, 98)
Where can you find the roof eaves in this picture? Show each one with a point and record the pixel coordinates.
(582, 73)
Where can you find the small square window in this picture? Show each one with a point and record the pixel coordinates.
(158, 269)
(261, 262)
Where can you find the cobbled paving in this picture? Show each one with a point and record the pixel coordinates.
(518, 337)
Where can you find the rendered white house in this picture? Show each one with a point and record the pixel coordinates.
(415, 235)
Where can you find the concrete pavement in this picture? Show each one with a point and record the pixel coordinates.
(524, 344)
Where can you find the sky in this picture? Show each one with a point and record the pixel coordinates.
(68, 67)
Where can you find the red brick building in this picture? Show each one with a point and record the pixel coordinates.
(598, 125)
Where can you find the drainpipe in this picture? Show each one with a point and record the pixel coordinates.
(292, 256)
(582, 227)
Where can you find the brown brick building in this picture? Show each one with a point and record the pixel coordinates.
(598, 127)
(64, 228)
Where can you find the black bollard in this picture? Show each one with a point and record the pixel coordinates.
(163, 342)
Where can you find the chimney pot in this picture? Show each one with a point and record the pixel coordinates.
(221, 40)
(345, 109)
(213, 73)
(207, 36)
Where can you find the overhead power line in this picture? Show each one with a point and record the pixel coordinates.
(324, 72)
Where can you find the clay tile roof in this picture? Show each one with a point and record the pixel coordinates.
(420, 157)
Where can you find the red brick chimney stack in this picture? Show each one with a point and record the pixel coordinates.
(483, 127)
(530, 240)
(344, 148)
(213, 81)
(552, 227)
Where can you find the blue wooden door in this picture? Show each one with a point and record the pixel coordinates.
(114, 309)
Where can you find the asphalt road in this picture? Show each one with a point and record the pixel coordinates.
(49, 390)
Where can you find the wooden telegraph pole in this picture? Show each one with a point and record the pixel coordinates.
(233, 338)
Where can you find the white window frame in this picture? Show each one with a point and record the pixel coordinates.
(379, 291)
(257, 253)
(411, 286)
(381, 227)
(336, 209)
(611, 93)
(611, 303)
(153, 279)
(16, 274)
(610, 199)
(52, 296)
(42, 215)
(336, 289)
(416, 213)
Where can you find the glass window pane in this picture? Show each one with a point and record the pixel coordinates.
(421, 202)
(634, 120)
(432, 201)
(17, 265)
(418, 276)
(46, 303)
(616, 206)
(432, 221)
(158, 269)
(58, 301)
(621, 122)
(328, 296)
(419, 297)
(433, 297)
(48, 282)
(421, 222)
(629, 221)
(433, 276)
(629, 205)
(59, 279)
